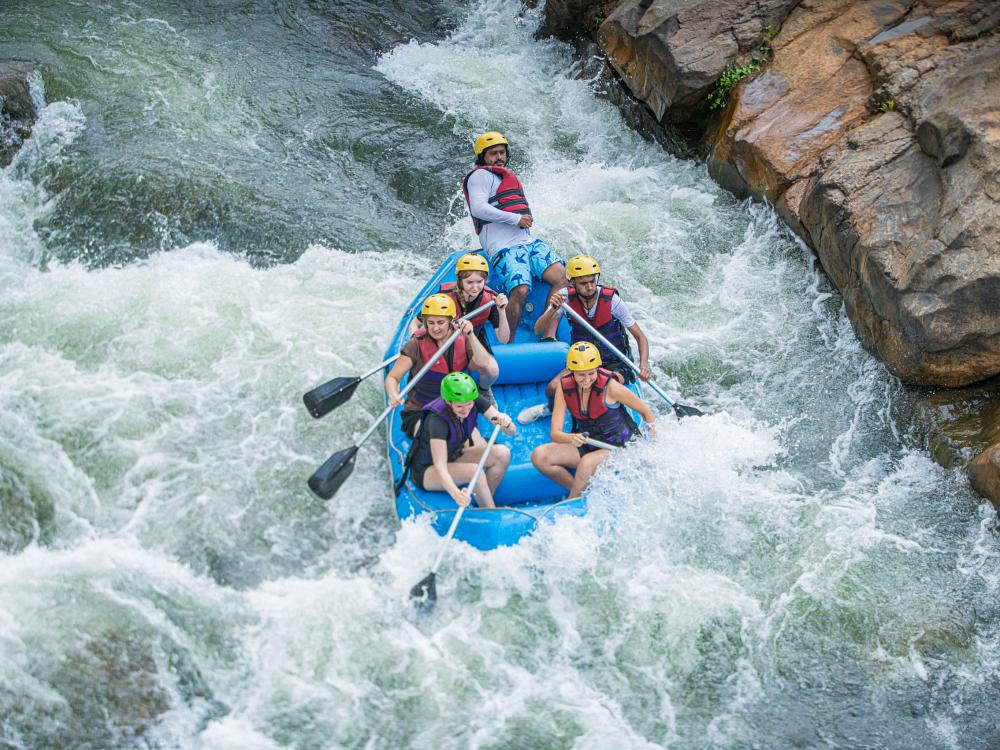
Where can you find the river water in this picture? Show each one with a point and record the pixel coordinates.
(225, 203)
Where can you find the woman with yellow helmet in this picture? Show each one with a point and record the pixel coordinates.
(438, 315)
(470, 292)
(596, 402)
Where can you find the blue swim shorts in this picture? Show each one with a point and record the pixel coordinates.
(519, 264)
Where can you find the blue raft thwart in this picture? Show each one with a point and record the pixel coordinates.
(525, 498)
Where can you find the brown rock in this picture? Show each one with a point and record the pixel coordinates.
(670, 53)
(877, 138)
(905, 219)
(779, 124)
(566, 19)
(984, 474)
(17, 111)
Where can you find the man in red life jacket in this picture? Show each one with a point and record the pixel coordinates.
(606, 312)
(597, 403)
(502, 218)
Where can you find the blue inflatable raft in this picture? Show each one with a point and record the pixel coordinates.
(525, 498)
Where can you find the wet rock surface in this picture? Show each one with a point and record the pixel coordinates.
(670, 53)
(874, 133)
(873, 128)
(17, 111)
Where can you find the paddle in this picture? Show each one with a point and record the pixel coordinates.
(323, 399)
(425, 592)
(601, 444)
(326, 480)
(680, 409)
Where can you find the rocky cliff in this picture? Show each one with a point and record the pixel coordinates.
(873, 128)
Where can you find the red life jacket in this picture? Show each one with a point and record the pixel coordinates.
(509, 195)
(613, 426)
(487, 295)
(456, 359)
(595, 406)
(607, 325)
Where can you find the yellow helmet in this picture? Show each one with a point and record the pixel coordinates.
(581, 265)
(492, 138)
(582, 356)
(472, 262)
(439, 304)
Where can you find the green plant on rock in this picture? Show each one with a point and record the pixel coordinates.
(887, 105)
(596, 23)
(729, 78)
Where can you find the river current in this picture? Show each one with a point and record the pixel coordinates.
(224, 204)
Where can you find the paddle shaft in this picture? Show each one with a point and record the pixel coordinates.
(472, 489)
(379, 367)
(413, 381)
(586, 324)
(601, 444)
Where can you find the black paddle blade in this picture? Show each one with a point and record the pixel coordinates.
(424, 594)
(687, 411)
(323, 399)
(326, 480)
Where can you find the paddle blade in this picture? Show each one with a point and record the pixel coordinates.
(326, 480)
(323, 399)
(424, 594)
(687, 411)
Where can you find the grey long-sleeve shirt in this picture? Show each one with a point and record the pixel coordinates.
(502, 231)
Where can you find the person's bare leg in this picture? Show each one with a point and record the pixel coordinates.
(515, 301)
(462, 474)
(550, 389)
(585, 469)
(496, 466)
(555, 277)
(487, 375)
(552, 460)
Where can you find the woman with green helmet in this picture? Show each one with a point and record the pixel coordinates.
(448, 445)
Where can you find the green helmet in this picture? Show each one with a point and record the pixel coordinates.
(458, 387)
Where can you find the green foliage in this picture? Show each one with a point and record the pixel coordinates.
(596, 23)
(769, 32)
(888, 105)
(729, 78)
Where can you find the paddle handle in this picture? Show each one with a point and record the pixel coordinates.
(472, 489)
(586, 324)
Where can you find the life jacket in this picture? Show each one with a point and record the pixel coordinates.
(613, 426)
(509, 195)
(458, 435)
(607, 325)
(487, 295)
(456, 359)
